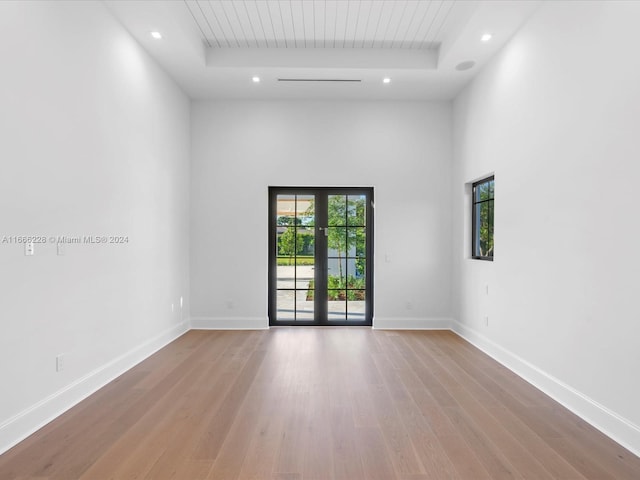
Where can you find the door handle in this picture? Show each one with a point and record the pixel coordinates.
(325, 229)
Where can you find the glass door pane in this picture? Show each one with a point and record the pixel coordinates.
(295, 257)
(346, 258)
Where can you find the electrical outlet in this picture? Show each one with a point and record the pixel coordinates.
(60, 362)
(29, 249)
(409, 306)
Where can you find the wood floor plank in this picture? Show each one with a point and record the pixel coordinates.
(474, 399)
(493, 460)
(399, 446)
(193, 470)
(318, 403)
(61, 435)
(373, 453)
(212, 439)
(557, 466)
(509, 446)
(588, 467)
(131, 452)
(595, 446)
(542, 425)
(263, 447)
(346, 459)
(455, 446)
(147, 437)
(187, 426)
(260, 460)
(290, 453)
(452, 376)
(425, 443)
(364, 413)
(287, 476)
(229, 460)
(318, 441)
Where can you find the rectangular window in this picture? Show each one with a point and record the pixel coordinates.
(482, 223)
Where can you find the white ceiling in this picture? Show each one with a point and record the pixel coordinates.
(213, 48)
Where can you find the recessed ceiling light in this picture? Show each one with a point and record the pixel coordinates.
(386, 80)
(486, 37)
(256, 79)
(156, 35)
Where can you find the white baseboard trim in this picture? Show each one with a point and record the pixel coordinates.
(608, 422)
(411, 323)
(211, 323)
(25, 423)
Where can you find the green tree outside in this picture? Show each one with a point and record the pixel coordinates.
(346, 233)
(295, 240)
(484, 221)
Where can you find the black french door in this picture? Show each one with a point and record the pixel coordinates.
(320, 256)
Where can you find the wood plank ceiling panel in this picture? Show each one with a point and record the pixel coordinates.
(407, 24)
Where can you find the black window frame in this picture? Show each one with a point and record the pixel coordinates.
(491, 201)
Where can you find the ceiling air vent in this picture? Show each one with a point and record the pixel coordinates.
(318, 80)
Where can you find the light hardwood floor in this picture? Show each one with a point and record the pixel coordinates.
(318, 403)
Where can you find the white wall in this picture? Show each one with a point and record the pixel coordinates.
(94, 141)
(241, 148)
(556, 116)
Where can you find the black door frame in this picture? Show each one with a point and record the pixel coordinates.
(320, 307)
